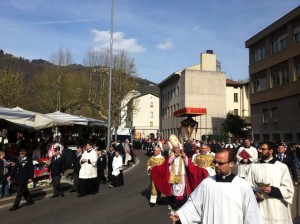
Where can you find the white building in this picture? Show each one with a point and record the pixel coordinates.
(237, 98)
(144, 119)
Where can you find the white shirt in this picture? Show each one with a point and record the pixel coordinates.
(221, 203)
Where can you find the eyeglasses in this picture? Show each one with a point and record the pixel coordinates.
(263, 149)
(219, 163)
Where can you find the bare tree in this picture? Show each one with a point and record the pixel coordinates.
(123, 83)
(62, 57)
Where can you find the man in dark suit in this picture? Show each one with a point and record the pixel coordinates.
(110, 156)
(76, 166)
(101, 166)
(23, 172)
(56, 168)
(287, 157)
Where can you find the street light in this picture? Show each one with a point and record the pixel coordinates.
(110, 73)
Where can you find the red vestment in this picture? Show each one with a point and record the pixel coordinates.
(161, 174)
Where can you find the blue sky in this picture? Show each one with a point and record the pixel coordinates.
(162, 36)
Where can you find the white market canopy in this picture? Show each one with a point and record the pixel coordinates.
(7, 113)
(37, 121)
(79, 120)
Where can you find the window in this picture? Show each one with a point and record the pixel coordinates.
(235, 97)
(236, 112)
(296, 32)
(285, 76)
(151, 124)
(280, 77)
(276, 137)
(266, 116)
(288, 137)
(177, 90)
(171, 95)
(151, 114)
(279, 43)
(274, 114)
(266, 137)
(297, 72)
(256, 137)
(258, 54)
(297, 37)
(275, 79)
(177, 106)
(255, 86)
(298, 137)
(151, 104)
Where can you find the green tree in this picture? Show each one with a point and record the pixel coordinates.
(12, 89)
(59, 89)
(235, 125)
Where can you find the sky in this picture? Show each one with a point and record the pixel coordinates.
(161, 36)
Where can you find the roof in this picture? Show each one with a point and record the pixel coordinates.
(232, 83)
(169, 79)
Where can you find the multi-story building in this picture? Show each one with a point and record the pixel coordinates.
(143, 121)
(198, 92)
(237, 98)
(274, 70)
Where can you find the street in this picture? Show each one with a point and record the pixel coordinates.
(127, 204)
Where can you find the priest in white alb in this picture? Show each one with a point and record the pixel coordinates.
(272, 182)
(221, 199)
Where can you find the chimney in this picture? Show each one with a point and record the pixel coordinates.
(208, 61)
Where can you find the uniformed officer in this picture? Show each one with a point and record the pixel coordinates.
(56, 167)
(23, 173)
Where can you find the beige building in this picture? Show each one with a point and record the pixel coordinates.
(274, 70)
(144, 120)
(198, 92)
(237, 98)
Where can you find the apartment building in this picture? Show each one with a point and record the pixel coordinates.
(197, 92)
(237, 98)
(274, 70)
(143, 121)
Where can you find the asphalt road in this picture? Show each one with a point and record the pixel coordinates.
(127, 204)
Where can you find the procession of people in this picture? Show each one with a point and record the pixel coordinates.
(241, 184)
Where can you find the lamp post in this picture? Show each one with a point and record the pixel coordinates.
(110, 74)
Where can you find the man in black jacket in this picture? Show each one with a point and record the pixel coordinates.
(56, 167)
(110, 156)
(23, 172)
(76, 166)
(286, 156)
(101, 166)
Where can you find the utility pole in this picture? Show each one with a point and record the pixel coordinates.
(110, 74)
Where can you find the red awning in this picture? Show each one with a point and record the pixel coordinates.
(189, 111)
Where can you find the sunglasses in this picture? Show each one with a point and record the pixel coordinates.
(56, 150)
(219, 163)
(22, 152)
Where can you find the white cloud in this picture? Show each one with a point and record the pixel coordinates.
(165, 46)
(120, 43)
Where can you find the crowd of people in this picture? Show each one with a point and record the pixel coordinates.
(202, 182)
(87, 164)
(235, 183)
